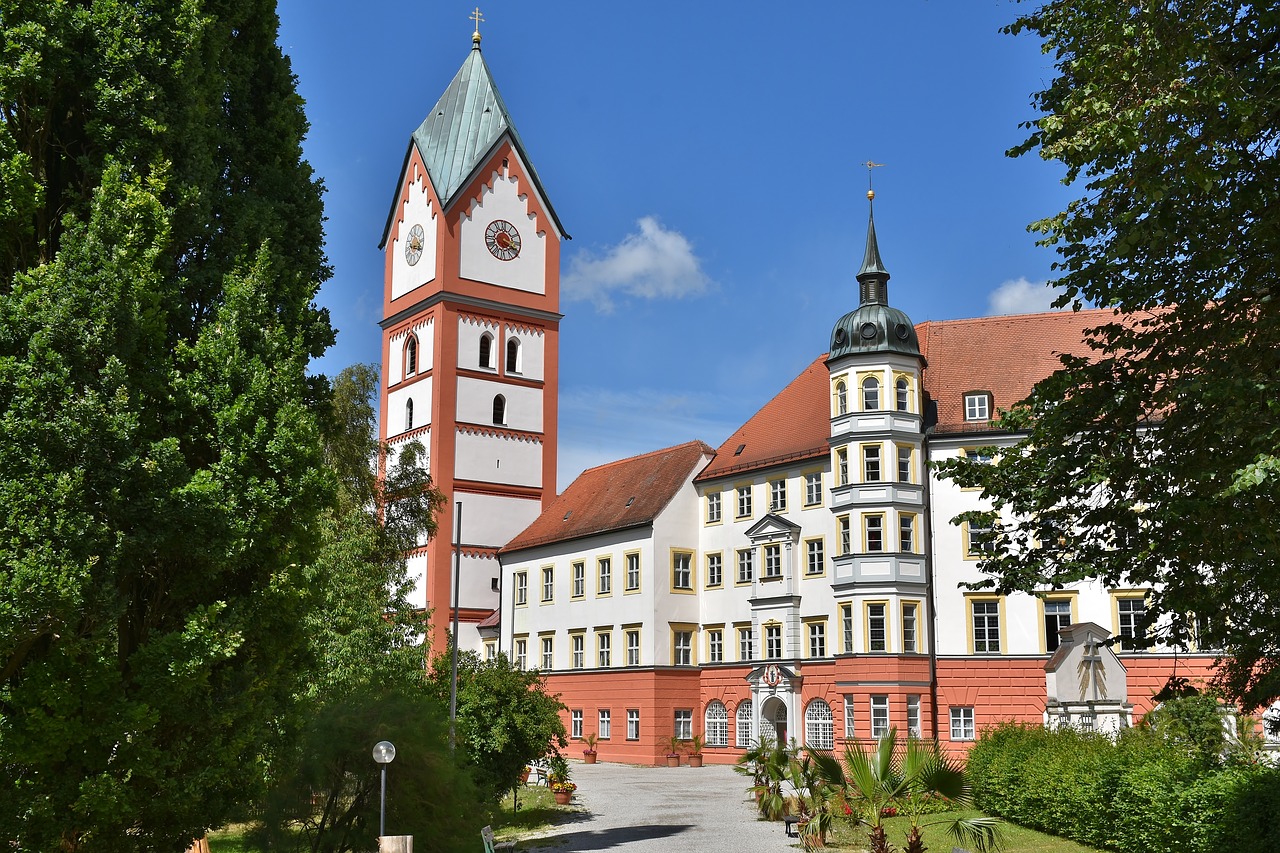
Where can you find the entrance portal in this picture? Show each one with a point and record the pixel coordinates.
(773, 718)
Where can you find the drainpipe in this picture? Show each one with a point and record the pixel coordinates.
(930, 591)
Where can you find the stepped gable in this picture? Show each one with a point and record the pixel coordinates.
(793, 425)
(1003, 355)
(627, 493)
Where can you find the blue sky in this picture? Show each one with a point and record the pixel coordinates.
(705, 158)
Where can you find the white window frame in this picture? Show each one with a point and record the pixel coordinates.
(713, 508)
(773, 642)
(633, 724)
(962, 727)
(578, 651)
(604, 724)
(819, 726)
(716, 724)
(745, 734)
(683, 725)
(879, 716)
(633, 647)
(575, 724)
(977, 406)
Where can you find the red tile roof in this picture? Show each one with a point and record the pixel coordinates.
(1004, 355)
(627, 493)
(793, 425)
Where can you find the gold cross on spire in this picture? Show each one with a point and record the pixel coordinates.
(475, 16)
(871, 194)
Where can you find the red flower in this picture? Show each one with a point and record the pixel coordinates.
(847, 810)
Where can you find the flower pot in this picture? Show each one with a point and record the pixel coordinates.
(524, 778)
(589, 757)
(562, 797)
(673, 761)
(695, 760)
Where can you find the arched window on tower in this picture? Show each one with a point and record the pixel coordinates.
(842, 398)
(904, 394)
(870, 394)
(513, 355)
(500, 410)
(411, 356)
(408, 414)
(486, 350)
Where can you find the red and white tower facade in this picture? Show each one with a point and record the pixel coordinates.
(470, 338)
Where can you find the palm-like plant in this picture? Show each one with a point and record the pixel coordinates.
(907, 779)
(767, 763)
(815, 777)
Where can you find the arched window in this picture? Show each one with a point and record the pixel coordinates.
(819, 727)
(842, 398)
(408, 414)
(486, 350)
(513, 355)
(746, 735)
(904, 394)
(717, 724)
(411, 356)
(870, 394)
(499, 409)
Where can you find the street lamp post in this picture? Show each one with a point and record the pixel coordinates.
(384, 752)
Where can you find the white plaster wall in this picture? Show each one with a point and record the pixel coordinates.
(492, 520)
(470, 330)
(476, 574)
(425, 331)
(532, 351)
(420, 392)
(503, 198)
(475, 404)
(492, 458)
(416, 567)
(418, 210)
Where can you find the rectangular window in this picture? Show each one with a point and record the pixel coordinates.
(772, 562)
(490, 651)
(746, 565)
(983, 455)
(575, 723)
(773, 642)
(846, 627)
(871, 463)
(1057, 615)
(910, 631)
(713, 507)
(606, 723)
(579, 580)
(683, 648)
(1130, 613)
(744, 501)
(962, 723)
(604, 649)
(604, 579)
(548, 653)
(986, 627)
(683, 729)
(522, 654)
(715, 570)
(849, 730)
(579, 643)
(681, 573)
(633, 724)
(746, 644)
(904, 465)
(815, 557)
(907, 533)
(846, 538)
(522, 588)
(980, 540)
(813, 488)
(548, 583)
(977, 407)
(875, 532)
(633, 572)
(715, 646)
(879, 716)
(913, 716)
(633, 648)
(817, 639)
(842, 467)
(877, 629)
(778, 496)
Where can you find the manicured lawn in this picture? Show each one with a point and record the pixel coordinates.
(1016, 839)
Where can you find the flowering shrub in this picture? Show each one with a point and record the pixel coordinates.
(889, 811)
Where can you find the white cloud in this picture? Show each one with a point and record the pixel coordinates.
(651, 263)
(1019, 296)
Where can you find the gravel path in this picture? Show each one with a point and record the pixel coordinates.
(661, 810)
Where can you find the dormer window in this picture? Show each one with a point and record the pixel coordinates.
(977, 406)
(870, 394)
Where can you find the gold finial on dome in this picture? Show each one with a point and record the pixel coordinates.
(475, 16)
(871, 195)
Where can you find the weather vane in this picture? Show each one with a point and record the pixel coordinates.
(871, 194)
(475, 16)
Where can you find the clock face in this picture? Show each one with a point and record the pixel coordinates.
(413, 248)
(502, 239)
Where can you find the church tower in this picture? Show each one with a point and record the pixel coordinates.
(470, 338)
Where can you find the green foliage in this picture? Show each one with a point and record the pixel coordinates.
(767, 762)
(1191, 725)
(160, 247)
(1165, 114)
(1144, 792)
(505, 717)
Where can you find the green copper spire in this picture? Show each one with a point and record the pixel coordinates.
(873, 278)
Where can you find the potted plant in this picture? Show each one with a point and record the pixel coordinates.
(589, 754)
(524, 774)
(563, 791)
(673, 752)
(695, 751)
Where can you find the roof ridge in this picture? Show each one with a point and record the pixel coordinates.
(1028, 315)
(697, 441)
